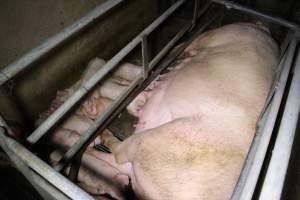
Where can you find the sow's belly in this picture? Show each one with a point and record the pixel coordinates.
(197, 126)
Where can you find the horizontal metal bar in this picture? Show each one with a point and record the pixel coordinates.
(30, 160)
(100, 74)
(25, 61)
(277, 20)
(276, 173)
(252, 167)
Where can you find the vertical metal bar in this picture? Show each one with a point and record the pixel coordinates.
(100, 74)
(49, 192)
(75, 167)
(195, 13)
(252, 167)
(145, 56)
(24, 62)
(277, 20)
(275, 177)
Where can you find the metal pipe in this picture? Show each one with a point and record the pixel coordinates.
(252, 167)
(51, 191)
(46, 190)
(277, 20)
(53, 177)
(25, 61)
(96, 127)
(100, 74)
(275, 177)
(99, 126)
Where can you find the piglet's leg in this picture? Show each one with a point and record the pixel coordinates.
(111, 90)
(128, 71)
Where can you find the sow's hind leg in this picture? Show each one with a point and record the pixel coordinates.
(181, 160)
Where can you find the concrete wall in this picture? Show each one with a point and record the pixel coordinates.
(25, 24)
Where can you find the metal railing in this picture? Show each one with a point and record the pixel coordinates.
(51, 181)
(48, 182)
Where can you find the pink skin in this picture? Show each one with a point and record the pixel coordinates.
(196, 129)
(99, 173)
(188, 142)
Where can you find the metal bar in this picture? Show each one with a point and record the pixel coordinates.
(275, 177)
(277, 20)
(97, 126)
(40, 184)
(252, 167)
(203, 9)
(52, 192)
(195, 13)
(145, 56)
(19, 164)
(53, 177)
(100, 126)
(100, 74)
(46, 190)
(24, 62)
(165, 50)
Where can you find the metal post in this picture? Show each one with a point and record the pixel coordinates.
(24, 62)
(277, 20)
(252, 167)
(275, 177)
(100, 74)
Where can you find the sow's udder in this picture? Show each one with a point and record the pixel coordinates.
(195, 130)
